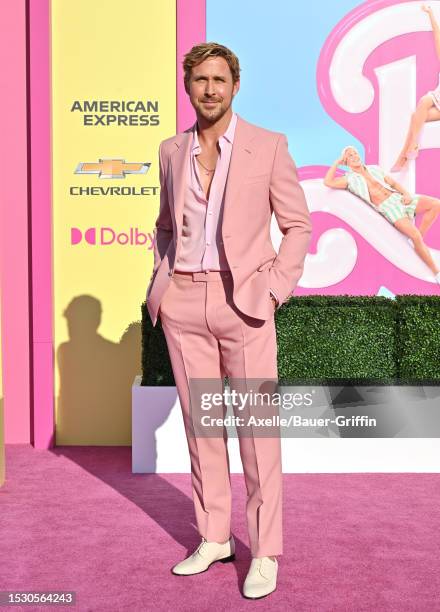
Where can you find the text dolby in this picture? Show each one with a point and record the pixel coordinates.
(106, 236)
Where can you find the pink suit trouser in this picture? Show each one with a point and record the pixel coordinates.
(208, 337)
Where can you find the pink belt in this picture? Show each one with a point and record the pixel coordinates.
(205, 275)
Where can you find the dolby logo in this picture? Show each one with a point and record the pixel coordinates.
(107, 236)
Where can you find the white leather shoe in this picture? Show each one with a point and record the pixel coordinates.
(205, 555)
(261, 579)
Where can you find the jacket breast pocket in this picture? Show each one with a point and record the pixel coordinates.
(256, 178)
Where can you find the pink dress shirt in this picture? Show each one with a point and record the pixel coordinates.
(202, 245)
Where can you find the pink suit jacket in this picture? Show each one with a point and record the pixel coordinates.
(262, 179)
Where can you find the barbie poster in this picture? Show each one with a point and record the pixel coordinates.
(361, 108)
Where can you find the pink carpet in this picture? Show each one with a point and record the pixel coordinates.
(76, 518)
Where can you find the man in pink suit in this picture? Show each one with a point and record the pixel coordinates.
(216, 283)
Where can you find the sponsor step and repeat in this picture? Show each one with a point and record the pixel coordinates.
(366, 68)
(111, 107)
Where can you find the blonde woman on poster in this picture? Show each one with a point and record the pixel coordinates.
(428, 107)
(389, 198)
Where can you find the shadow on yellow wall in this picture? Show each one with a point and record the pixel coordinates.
(96, 376)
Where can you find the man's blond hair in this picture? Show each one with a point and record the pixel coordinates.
(344, 152)
(199, 53)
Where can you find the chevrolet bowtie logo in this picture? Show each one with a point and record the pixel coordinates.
(112, 168)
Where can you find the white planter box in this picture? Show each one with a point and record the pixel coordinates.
(159, 444)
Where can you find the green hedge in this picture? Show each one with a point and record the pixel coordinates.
(418, 334)
(332, 339)
(156, 365)
(336, 340)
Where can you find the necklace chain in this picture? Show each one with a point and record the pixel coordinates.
(207, 169)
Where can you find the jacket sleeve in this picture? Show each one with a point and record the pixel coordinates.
(289, 205)
(163, 230)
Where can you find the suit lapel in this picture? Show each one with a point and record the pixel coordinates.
(239, 166)
(179, 173)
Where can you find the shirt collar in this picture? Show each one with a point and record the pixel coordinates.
(228, 135)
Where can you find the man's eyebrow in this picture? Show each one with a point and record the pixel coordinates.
(204, 76)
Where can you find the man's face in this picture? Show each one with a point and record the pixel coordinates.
(352, 158)
(211, 89)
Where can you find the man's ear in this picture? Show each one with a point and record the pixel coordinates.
(236, 88)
